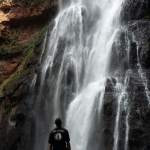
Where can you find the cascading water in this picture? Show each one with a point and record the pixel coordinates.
(142, 75)
(122, 99)
(81, 114)
(82, 40)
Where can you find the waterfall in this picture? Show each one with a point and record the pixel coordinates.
(74, 71)
(122, 98)
(81, 114)
(143, 76)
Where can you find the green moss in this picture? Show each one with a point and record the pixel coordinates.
(7, 110)
(10, 47)
(147, 17)
(28, 53)
(37, 2)
(34, 3)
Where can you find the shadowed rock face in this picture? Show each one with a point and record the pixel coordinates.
(139, 115)
(7, 67)
(138, 119)
(19, 14)
(136, 16)
(20, 45)
(141, 30)
(136, 9)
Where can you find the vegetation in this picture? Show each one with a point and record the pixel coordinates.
(147, 17)
(28, 53)
(7, 110)
(34, 3)
(10, 47)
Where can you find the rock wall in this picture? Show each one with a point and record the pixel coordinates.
(136, 9)
(136, 21)
(137, 15)
(22, 27)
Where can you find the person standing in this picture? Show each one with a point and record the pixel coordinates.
(59, 137)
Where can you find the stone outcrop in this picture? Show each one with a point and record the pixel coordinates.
(15, 13)
(22, 30)
(136, 9)
(136, 20)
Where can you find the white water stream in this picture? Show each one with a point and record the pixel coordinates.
(95, 59)
(86, 30)
(122, 100)
(140, 70)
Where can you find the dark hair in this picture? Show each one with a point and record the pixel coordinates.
(58, 122)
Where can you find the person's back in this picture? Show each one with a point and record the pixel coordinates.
(59, 137)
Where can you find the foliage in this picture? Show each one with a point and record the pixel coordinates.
(147, 17)
(10, 47)
(33, 3)
(28, 53)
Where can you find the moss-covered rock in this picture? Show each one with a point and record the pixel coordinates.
(28, 61)
(15, 91)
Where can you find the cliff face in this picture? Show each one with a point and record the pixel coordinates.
(137, 14)
(21, 25)
(136, 9)
(136, 21)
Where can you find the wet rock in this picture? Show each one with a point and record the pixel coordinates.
(139, 51)
(110, 84)
(7, 67)
(118, 58)
(139, 113)
(70, 77)
(109, 112)
(133, 55)
(136, 9)
(108, 120)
